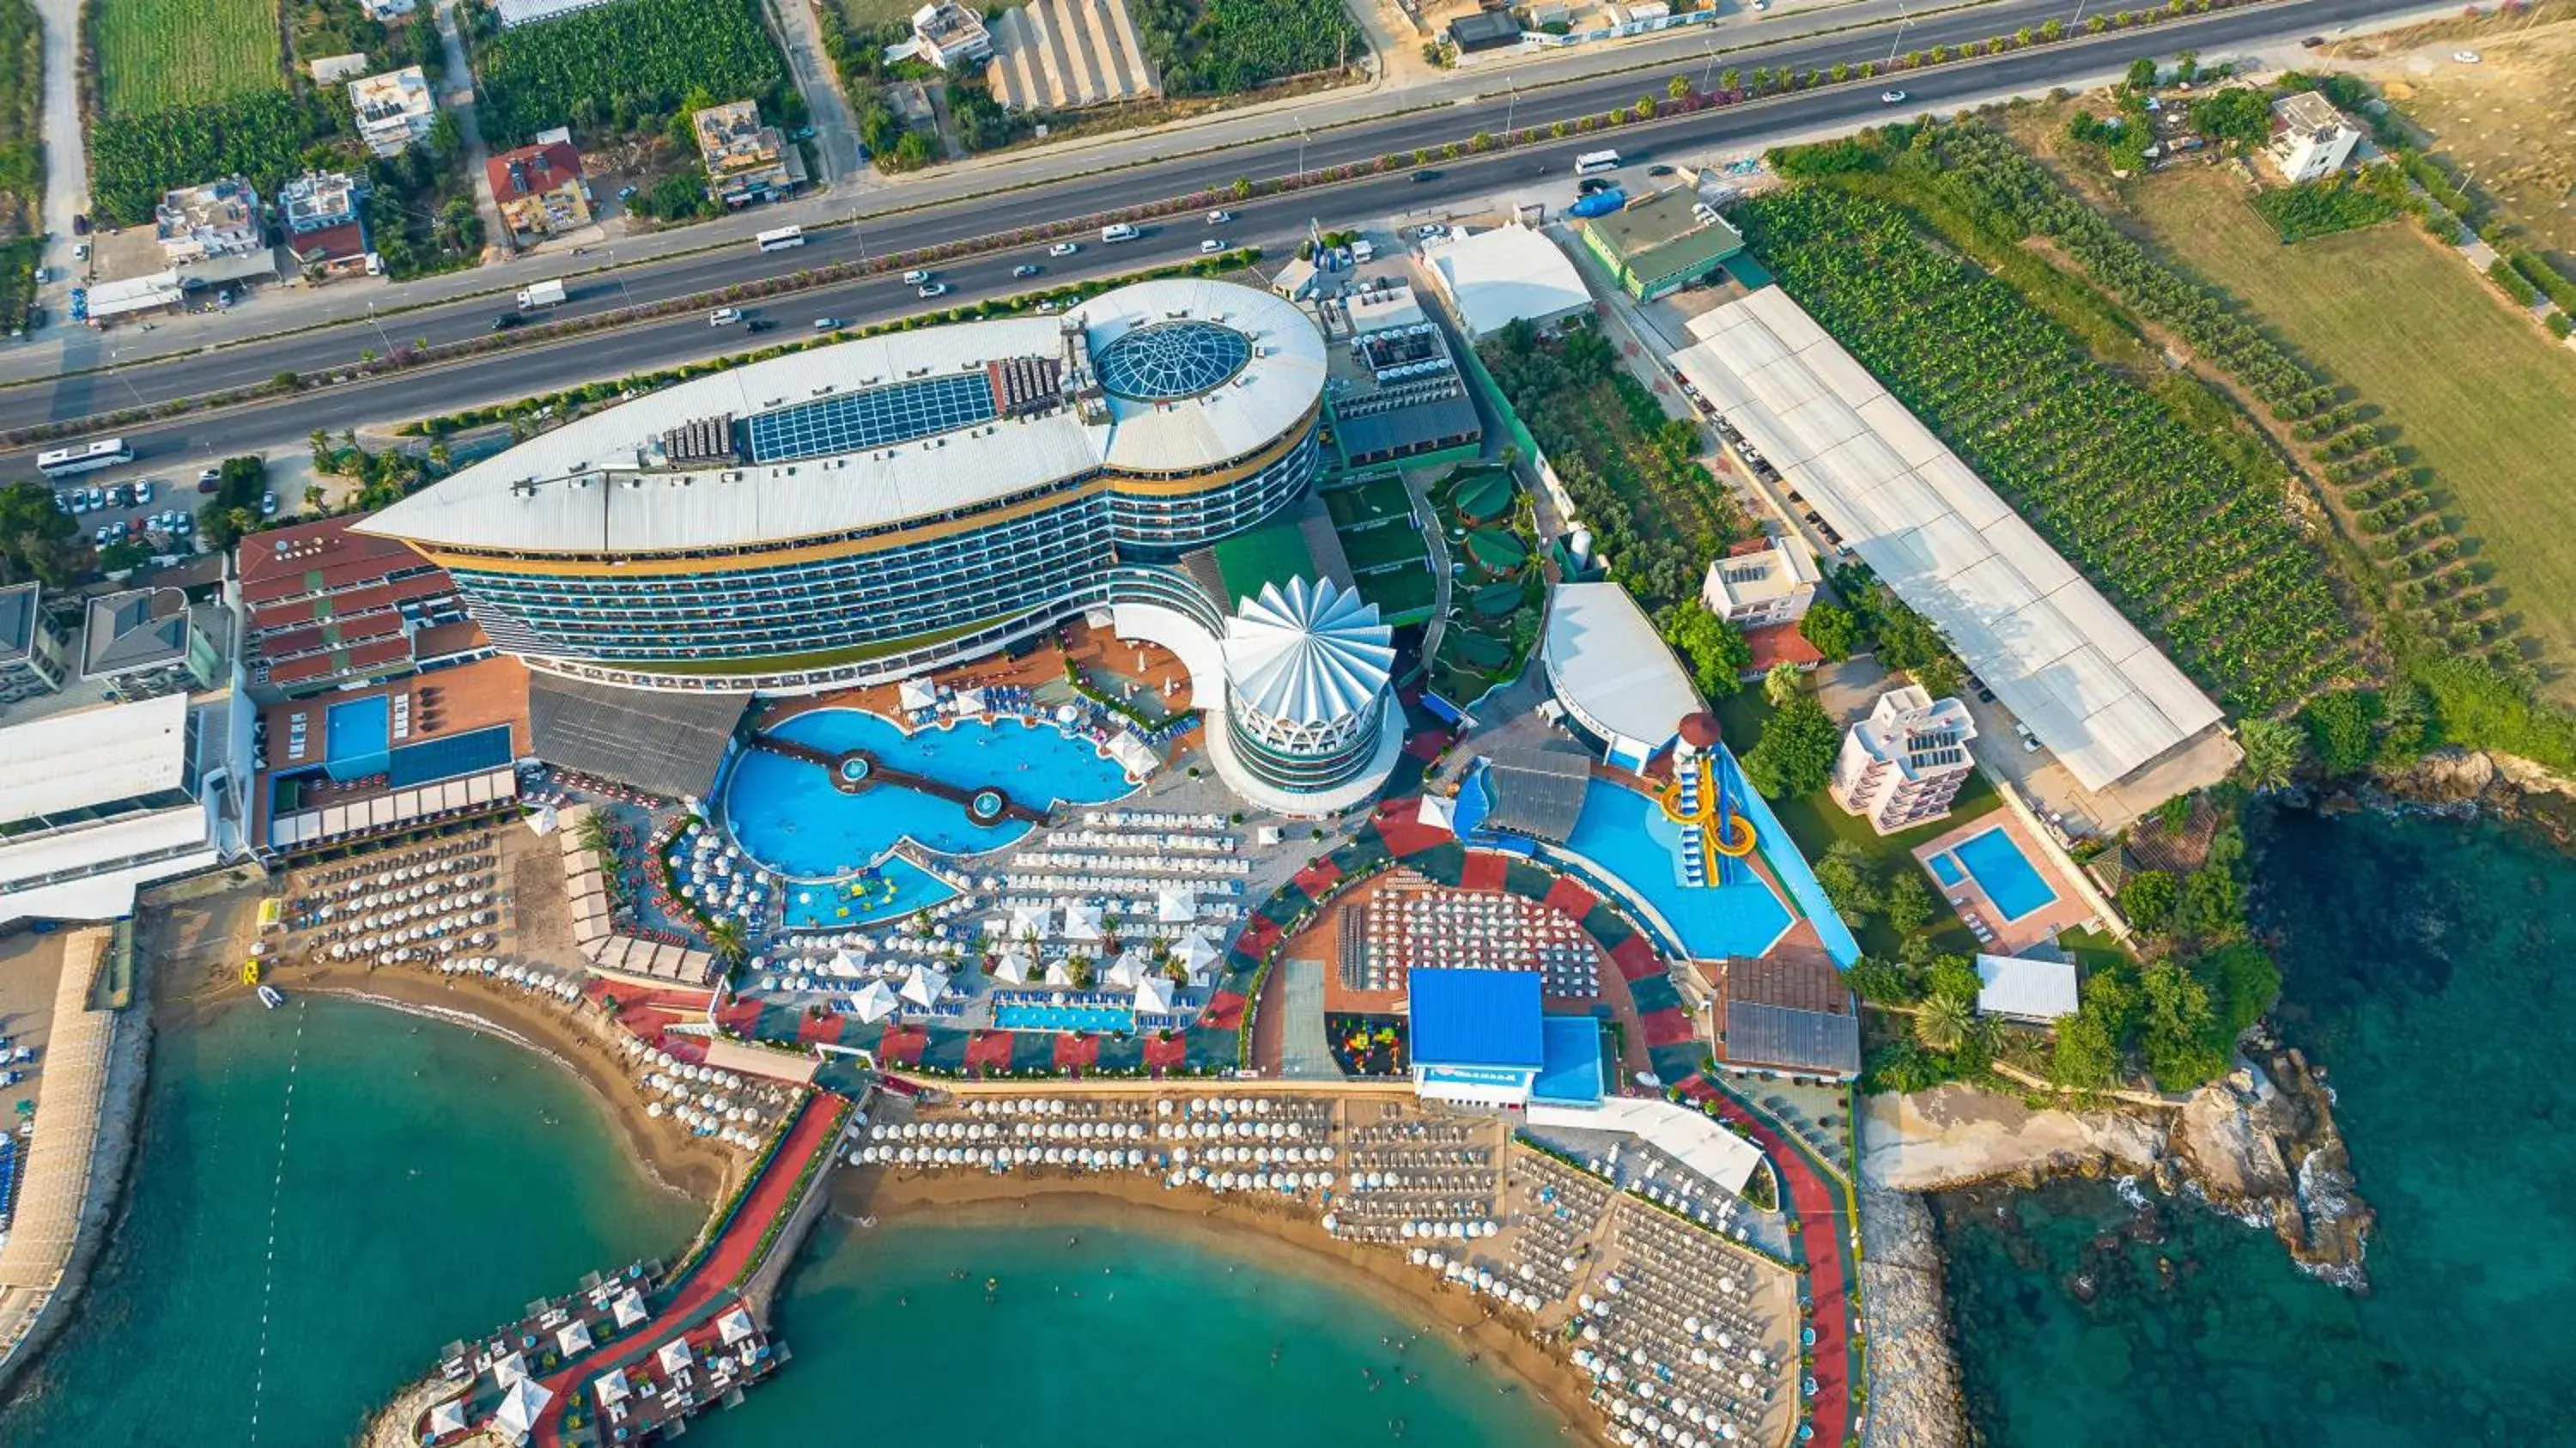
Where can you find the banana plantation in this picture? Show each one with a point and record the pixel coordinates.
(2182, 541)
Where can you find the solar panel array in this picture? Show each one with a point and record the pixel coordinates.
(878, 417)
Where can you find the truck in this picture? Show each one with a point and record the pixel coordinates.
(541, 294)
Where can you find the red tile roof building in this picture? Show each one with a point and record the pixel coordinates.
(327, 605)
(540, 189)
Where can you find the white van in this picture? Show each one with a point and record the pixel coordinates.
(724, 316)
(1120, 232)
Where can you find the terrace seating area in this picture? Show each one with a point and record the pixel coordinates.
(706, 1101)
(1199, 1141)
(1397, 928)
(431, 904)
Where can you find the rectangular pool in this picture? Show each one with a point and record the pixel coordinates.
(1064, 1018)
(2008, 879)
(1946, 870)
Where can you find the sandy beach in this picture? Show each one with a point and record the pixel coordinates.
(679, 1162)
(1290, 1239)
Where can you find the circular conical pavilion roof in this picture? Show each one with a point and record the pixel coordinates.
(1308, 653)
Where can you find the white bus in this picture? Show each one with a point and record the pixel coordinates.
(1591, 161)
(781, 239)
(105, 452)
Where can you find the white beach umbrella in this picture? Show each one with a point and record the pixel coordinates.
(1154, 994)
(874, 1002)
(1013, 967)
(915, 694)
(923, 986)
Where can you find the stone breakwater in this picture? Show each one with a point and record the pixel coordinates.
(1915, 1399)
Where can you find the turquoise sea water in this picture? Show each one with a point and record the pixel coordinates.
(1133, 1336)
(426, 1184)
(2428, 965)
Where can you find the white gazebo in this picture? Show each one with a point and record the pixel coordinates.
(1175, 905)
(1438, 812)
(1059, 972)
(629, 1309)
(971, 702)
(735, 1326)
(610, 1388)
(674, 1356)
(573, 1339)
(1131, 967)
(1154, 994)
(923, 986)
(915, 694)
(1198, 957)
(520, 1408)
(1082, 923)
(845, 965)
(1032, 922)
(874, 1003)
(510, 1369)
(1012, 966)
(447, 1417)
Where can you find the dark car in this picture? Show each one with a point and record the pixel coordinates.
(758, 325)
(80, 223)
(1593, 185)
(506, 321)
(1426, 175)
(1659, 170)
(2313, 41)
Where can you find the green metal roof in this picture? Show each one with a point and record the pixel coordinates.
(1659, 236)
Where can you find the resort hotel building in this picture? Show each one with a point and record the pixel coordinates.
(861, 512)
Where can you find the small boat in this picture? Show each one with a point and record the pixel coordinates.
(269, 997)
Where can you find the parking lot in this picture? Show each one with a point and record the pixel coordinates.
(158, 509)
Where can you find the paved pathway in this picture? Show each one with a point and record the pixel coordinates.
(457, 87)
(836, 130)
(66, 162)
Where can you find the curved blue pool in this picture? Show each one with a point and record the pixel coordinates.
(1625, 833)
(787, 815)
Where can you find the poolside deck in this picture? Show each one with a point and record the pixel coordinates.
(1978, 908)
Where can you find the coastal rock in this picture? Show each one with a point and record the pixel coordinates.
(1914, 1394)
(2263, 1144)
(1953, 1135)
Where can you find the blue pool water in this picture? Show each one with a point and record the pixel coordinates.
(899, 888)
(1946, 870)
(1627, 834)
(788, 816)
(1063, 1018)
(355, 736)
(2007, 878)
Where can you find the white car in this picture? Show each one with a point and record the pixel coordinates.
(1219, 218)
(1213, 243)
(828, 324)
(2029, 741)
(2466, 57)
(1430, 229)
(1891, 98)
(1064, 248)
(933, 289)
(724, 316)
(915, 277)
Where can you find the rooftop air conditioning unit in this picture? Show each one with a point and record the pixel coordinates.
(730, 475)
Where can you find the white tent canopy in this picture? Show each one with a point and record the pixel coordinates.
(510, 1369)
(521, 1406)
(1197, 956)
(574, 1338)
(1176, 906)
(447, 1417)
(629, 1308)
(674, 1355)
(610, 1388)
(923, 986)
(874, 1003)
(1154, 993)
(1013, 966)
(970, 702)
(1059, 972)
(1438, 812)
(735, 1326)
(1130, 967)
(1082, 922)
(1029, 921)
(915, 694)
(845, 965)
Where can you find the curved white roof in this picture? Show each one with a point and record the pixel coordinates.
(1610, 666)
(1309, 653)
(578, 489)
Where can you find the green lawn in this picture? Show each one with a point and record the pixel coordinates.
(866, 14)
(1377, 547)
(2481, 398)
(1399, 592)
(154, 54)
(1368, 502)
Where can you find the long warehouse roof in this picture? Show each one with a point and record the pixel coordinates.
(2086, 681)
(884, 429)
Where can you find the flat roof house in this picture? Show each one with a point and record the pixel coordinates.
(1661, 244)
(949, 35)
(143, 643)
(1901, 766)
(746, 161)
(2310, 138)
(1761, 582)
(1506, 274)
(197, 223)
(394, 110)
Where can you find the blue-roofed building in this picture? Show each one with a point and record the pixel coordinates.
(1476, 1035)
(1569, 1072)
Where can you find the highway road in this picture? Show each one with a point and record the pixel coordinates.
(1537, 173)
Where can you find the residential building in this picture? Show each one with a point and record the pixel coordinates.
(1760, 582)
(199, 223)
(862, 511)
(320, 200)
(388, 9)
(96, 803)
(1485, 30)
(329, 607)
(33, 660)
(144, 643)
(395, 110)
(1662, 243)
(746, 161)
(2310, 138)
(2022, 988)
(540, 189)
(1904, 763)
(949, 35)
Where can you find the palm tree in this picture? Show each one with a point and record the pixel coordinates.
(2271, 752)
(594, 833)
(725, 940)
(1781, 683)
(1944, 1021)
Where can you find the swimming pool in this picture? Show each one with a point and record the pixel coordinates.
(2008, 879)
(787, 815)
(898, 888)
(1064, 1018)
(1628, 835)
(1945, 869)
(357, 736)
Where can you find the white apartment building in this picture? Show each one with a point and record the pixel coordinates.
(1904, 763)
(1761, 583)
(200, 223)
(394, 109)
(96, 804)
(2310, 138)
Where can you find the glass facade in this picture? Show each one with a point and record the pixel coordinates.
(739, 608)
(1162, 361)
(1307, 773)
(878, 417)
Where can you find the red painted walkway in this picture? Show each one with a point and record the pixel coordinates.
(1820, 1224)
(710, 1282)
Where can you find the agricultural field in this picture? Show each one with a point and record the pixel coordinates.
(22, 155)
(2482, 398)
(2181, 537)
(155, 55)
(1227, 47)
(629, 67)
(2509, 120)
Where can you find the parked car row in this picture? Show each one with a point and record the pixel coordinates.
(112, 495)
